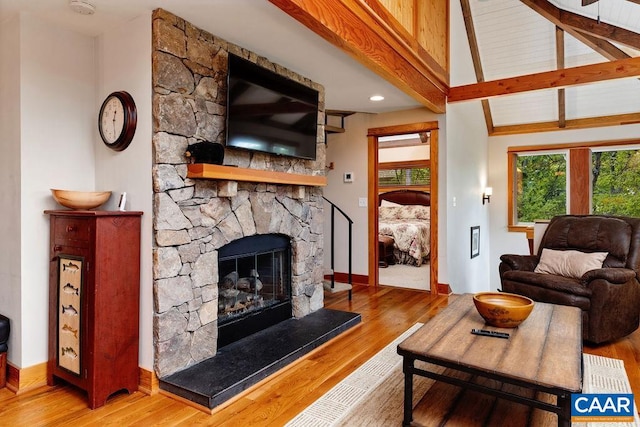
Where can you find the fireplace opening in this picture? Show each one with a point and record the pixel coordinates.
(254, 286)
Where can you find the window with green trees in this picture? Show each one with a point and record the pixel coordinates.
(541, 188)
(403, 177)
(615, 182)
(408, 173)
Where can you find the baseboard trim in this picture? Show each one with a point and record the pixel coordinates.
(148, 382)
(444, 289)
(25, 379)
(357, 279)
(360, 279)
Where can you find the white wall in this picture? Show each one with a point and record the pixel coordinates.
(124, 63)
(466, 173)
(348, 152)
(462, 174)
(57, 93)
(503, 241)
(466, 177)
(10, 272)
(48, 90)
(53, 82)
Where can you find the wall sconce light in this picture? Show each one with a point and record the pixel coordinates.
(486, 196)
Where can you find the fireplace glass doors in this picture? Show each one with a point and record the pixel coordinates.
(254, 285)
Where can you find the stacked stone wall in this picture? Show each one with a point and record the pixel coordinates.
(193, 218)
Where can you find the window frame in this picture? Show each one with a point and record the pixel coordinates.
(576, 170)
(513, 197)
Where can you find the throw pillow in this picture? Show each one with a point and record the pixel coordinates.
(569, 263)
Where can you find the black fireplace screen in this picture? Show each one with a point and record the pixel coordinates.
(254, 279)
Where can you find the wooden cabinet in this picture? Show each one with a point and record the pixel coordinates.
(94, 299)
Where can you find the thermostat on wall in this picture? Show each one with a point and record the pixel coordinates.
(348, 177)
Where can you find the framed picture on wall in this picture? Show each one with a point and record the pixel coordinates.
(475, 241)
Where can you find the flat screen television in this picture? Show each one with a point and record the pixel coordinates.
(270, 113)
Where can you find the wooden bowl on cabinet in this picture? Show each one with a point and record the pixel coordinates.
(80, 200)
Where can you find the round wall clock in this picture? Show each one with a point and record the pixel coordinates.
(117, 120)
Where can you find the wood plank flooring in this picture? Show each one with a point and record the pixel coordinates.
(386, 313)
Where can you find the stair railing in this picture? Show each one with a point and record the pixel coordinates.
(335, 208)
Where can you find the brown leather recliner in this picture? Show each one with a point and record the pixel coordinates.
(609, 297)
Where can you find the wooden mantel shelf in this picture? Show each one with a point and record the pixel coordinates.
(230, 173)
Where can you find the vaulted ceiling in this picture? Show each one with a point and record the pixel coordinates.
(519, 46)
(542, 64)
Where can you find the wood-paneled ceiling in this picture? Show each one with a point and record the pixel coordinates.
(550, 65)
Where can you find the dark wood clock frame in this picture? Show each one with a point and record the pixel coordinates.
(130, 121)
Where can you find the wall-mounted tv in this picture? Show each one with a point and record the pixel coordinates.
(270, 113)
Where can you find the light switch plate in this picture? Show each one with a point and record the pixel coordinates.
(362, 202)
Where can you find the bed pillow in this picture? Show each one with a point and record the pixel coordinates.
(388, 204)
(569, 263)
(404, 212)
(418, 212)
(390, 212)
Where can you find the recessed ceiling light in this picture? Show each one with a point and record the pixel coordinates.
(376, 98)
(82, 7)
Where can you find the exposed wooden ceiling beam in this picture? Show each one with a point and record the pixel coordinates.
(591, 122)
(569, 20)
(355, 29)
(603, 47)
(475, 57)
(555, 79)
(473, 41)
(560, 66)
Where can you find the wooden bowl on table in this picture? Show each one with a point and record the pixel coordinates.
(80, 200)
(501, 309)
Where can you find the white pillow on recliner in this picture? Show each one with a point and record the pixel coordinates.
(569, 263)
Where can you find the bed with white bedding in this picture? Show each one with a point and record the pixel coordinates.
(405, 215)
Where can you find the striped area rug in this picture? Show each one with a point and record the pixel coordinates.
(373, 394)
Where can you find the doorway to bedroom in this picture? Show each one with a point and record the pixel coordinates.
(402, 190)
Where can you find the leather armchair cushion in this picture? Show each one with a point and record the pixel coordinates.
(554, 282)
(617, 276)
(591, 234)
(519, 262)
(550, 296)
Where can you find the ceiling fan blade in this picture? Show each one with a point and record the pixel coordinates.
(588, 2)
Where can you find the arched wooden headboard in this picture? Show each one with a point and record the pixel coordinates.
(406, 197)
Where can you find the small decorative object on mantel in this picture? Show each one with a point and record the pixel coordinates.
(205, 152)
(80, 200)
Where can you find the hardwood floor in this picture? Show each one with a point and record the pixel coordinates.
(386, 313)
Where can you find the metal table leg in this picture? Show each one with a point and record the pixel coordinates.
(407, 368)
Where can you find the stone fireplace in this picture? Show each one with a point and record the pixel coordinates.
(200, 223)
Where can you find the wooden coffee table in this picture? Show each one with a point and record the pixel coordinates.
(543, 354)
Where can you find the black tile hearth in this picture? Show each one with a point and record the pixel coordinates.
(244, 363)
